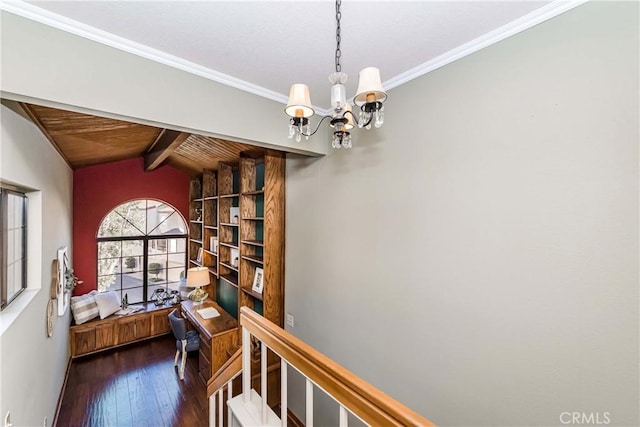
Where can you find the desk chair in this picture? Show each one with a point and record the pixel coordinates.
(186, 341)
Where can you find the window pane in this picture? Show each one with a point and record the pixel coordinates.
(11, 244)
(133, 264)
(110, 282)
(176, 260)
(170, 223)
(152, 289)
(109, 249)
(114, 225)
(11, 206)
(108, 266)
(174, 275)
(155, 215)
(134, 295)
(132, 280)
(132, 247)
(11, 279)
(157, 246)
(18, 235)
(176, 245)
(18, 214)
(134, 214)
(17, 279)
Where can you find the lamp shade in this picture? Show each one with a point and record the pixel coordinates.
(299, 104)
(349, 117)
(197, 277)
(369, 87)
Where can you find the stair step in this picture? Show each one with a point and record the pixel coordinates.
(250, 413)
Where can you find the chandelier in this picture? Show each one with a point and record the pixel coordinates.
(369, 97)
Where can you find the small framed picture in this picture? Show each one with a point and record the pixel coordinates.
(258, 280)
(234, 215)
(199, 257)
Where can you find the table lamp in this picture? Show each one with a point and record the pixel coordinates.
(196, 278)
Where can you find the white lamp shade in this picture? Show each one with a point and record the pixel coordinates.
(197, 277)
(369, 87)
(349, 117)
(299, 104)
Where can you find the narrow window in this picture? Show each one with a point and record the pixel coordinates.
(13, 244)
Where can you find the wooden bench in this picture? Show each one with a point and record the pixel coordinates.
(115, 331)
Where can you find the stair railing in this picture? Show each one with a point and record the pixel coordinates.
(353, 394)
(216, 387)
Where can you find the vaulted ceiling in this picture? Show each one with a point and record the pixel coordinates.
(85, 140)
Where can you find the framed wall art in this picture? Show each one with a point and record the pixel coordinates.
(63, 294)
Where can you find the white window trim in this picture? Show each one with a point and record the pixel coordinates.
(34, 263)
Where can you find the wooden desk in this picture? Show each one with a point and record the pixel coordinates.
(218, 336)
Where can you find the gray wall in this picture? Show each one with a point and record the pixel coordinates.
(477, 257)
(32, 366)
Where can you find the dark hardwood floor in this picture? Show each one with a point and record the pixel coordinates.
(136, 386)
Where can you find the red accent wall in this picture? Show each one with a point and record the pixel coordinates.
(99, 189)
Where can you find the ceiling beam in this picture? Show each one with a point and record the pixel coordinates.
(164, 145)
(36, 120)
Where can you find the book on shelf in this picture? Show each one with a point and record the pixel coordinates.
(213, 244)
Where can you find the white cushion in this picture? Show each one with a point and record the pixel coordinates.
(84, 307)
(108, 303)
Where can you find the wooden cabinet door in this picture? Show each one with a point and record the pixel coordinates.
(126, 330)
(84, 341)
(160, 323)
(143, 327)
(104, 336)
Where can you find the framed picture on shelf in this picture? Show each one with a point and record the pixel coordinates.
(199, 257)
(235, 258)
(258, 280)
(234, 215)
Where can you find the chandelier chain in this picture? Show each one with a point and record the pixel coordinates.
(338, 51)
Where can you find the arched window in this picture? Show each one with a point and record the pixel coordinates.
(142, 246)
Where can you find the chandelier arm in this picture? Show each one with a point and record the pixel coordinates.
(317, 127)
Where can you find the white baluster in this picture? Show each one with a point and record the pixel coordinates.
(344, 417)
(220, 408)
(309, 422)
(212, 410)
(263, 381)
(283, 392)
(229, 396)
(246, 365)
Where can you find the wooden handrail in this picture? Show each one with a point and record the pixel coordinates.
(227, 371)
(358, 396)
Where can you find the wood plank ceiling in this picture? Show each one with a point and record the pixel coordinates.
(85, 140)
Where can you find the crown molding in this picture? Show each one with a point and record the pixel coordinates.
(26, 10)
(43, 16)
(523, 23)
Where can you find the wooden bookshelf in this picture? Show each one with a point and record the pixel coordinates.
(253, 189)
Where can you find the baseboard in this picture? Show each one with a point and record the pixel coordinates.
(61, 396)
